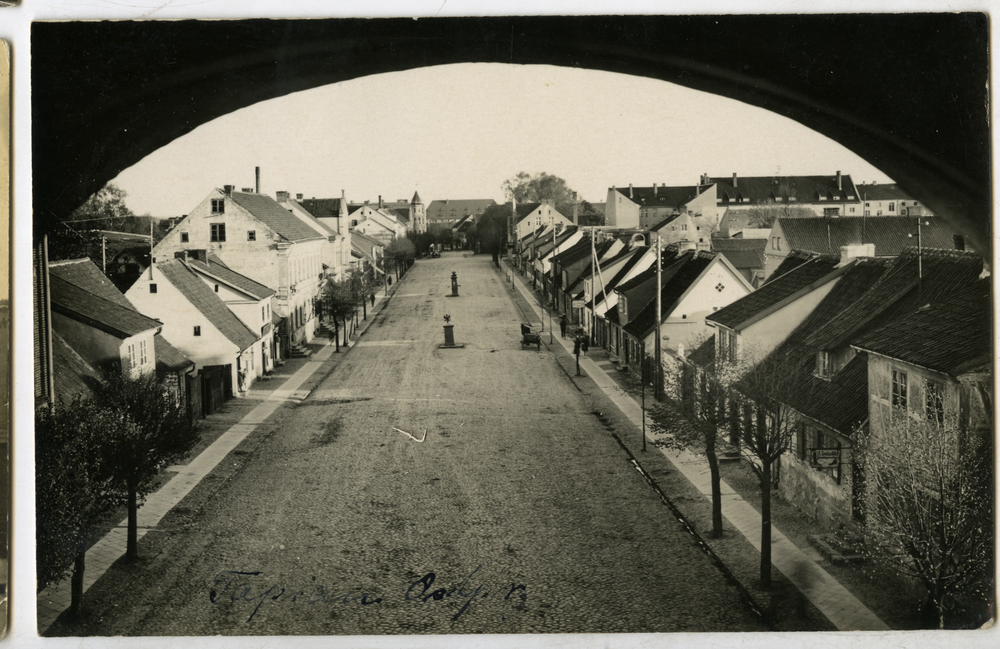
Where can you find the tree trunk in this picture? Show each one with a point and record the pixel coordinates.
(132, 542)
(76, 583)
(765, 524)
(336, 335)
(364, 309)
(345, 332)
(713, 468)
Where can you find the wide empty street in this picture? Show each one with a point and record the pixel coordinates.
(428, 490)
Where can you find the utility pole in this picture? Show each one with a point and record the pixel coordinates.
(656, 349)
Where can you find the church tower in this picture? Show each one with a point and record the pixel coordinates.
(418, 214)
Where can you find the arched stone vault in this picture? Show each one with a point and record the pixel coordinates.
(906, 92)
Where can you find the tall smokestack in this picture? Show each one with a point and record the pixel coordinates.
(840, 185)
(257, 173)
(654, 189)
(576, 209)
(734, 179)
(380, 201)
(630, 190)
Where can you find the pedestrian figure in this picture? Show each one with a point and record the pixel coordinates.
(562, 326)
(585, 344)
(373, 299)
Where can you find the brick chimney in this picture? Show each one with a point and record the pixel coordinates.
(248, 190)
(256, 171)
(654, 189)
(228, 190)
(298, 197)
(281, 197)
(854, 250)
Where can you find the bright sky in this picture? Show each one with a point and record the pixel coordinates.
(458, 131)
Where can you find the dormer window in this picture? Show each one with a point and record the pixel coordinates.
(822, 198)
(823, 369)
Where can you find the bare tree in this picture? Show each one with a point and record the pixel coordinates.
(783, 206)
(767, 432)
(928, 506)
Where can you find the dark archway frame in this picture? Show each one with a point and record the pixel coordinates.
(907, 92)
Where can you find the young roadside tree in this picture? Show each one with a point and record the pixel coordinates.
(401, 253)
(768, 431)
(701, 389)
(492, 230)
(339, 303)
(150, 430)
(928, 508)
(71, 497)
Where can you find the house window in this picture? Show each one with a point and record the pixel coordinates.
(184, 237)
(197, 330)
(899, 389)
(152, 288)
(868, 212)
(131, 355)
(823, 365)
(776, 243)
(852, 210)
(143, 358)
(218, 232)
(831, 211)
(216, 288)
(720, 287)
(934, 401)
(892, 207)
(251, 235)
(684, 226)
(218, 206)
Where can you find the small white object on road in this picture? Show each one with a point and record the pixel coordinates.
(411, 436)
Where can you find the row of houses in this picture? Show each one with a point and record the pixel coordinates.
(858, 310)
(229, 292)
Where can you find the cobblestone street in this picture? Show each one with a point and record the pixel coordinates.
(426, 490)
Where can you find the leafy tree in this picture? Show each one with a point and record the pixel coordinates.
(150, 430)
(928, 507)
(491, 230)
(339, 302)
(588, 214)
(525, 188)
(400, 252)
(71, 495)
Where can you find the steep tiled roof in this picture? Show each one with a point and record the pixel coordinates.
(660, 196)
(108, 316)
(898, 293)
(682, 275)
(72, 375)
(402, 215)
(742, 253)
(307, 217)
(890, 234)
(947, 334)
(587, 270)
(168, 358)
(792, 260)
(322, 207)
(207, 302)
(84, 274)
(452, 210)
(234, 279)
(278, 218)
(842, 401)
(704, 354)
(612, 282)
(806, 189)
(773, 292)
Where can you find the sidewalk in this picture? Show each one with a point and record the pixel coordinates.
(799, 566)
(271, 395)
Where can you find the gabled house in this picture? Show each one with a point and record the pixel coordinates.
(257, 237)
(889, 199)
(378, 222)
(568, 268)
(693, 286)
(98, 322)
(368, 253)
(336, 251)
(647, 207)
(444, 214)
(528, 217)
(229, 356)
(889, 235)
(746, 255)
(750, 328)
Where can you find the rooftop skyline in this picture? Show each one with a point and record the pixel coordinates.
(459, 131)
